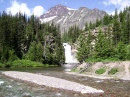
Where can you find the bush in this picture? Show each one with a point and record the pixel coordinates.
(26, 63)
(101, 60)
(100, 71)
(113, 71)
(2, 65)
(75, 70)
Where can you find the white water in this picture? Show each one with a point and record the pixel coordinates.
(69, 57)
(1, 82)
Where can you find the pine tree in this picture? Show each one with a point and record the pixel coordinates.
(106, 20)
(121, 51)
(86, 26)
(116, 29)
(85, 47)
(126, 30)
(35, 52)
(102, 46)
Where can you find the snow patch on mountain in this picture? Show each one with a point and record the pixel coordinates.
(64, 19)
(72, 14)
(60, 19)
(47, 19)
(70, 8)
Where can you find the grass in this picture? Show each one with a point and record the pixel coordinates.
(100, 71)
(101, 60)
(26, 63)
(75, 70)
(113, 71)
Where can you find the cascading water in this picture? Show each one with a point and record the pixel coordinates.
(70, 58)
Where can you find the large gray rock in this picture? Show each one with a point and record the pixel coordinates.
(67, 17)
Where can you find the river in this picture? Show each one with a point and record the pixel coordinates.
(13, 88)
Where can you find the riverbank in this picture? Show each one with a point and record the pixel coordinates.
(122, 70)
(25, 64)
(51, 82)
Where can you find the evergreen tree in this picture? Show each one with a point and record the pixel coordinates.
(98, 22)
(126, 30)
(121, 51)
(85, 47)
(116, 29)
(106, 20)
(72, 34)
(86, 26)
(127, 52)
(91, 25)
(102, 46)
(35, 52)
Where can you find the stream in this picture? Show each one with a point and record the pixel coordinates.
(14, 88)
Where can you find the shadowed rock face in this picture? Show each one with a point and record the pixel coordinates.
(67, 17)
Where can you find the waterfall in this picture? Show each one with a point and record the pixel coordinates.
(70, 57)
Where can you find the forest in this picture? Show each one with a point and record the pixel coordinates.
(25, 42)
(111, 41)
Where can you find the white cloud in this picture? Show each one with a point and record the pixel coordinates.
(38, 11)
(119, 4)
(18, 7)
(23, 8)
(111, 12)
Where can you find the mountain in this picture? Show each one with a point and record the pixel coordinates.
(67, 17)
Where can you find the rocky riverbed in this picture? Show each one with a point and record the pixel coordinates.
(51, 82)
(111, 87)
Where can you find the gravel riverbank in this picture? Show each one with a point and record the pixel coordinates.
(51, 82)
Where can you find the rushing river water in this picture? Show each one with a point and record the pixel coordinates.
(14, 88)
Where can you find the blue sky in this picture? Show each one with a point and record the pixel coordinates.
(38, 7)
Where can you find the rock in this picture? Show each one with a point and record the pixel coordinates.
(83, 65)
(26, 95)
(50, 82)
(83, 92)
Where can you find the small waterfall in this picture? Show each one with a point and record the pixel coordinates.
(70, 57)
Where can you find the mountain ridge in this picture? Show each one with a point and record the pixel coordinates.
(67, 17)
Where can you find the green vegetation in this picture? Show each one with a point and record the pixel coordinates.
(75, 70)
(71, 35)
(2, 65)
(26, 63)
(85, 47)
(25, 39)
(113, 71)
(100, 71)
(110, 42)
(102, 60)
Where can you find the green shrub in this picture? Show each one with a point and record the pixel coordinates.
(113, 71)
(101, 60)
(100, 71)
(93, 60)
(26, 63)
(2, 65)
(75, 70)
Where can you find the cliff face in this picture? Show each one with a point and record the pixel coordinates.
(67, 17)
